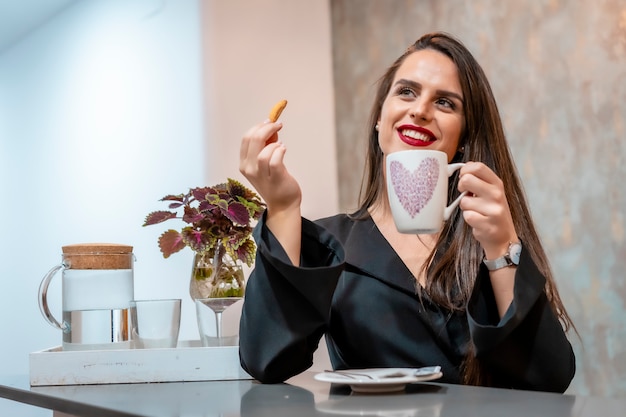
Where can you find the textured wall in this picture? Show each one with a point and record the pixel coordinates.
(558, 70)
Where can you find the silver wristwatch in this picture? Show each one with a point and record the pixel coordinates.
(511, 257)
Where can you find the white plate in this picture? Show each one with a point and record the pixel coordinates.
(380, 379)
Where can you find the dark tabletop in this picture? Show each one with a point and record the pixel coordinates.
(302, 396)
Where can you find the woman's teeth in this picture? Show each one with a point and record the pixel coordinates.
(416, 135)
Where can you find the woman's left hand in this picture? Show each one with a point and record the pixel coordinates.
(485, 208)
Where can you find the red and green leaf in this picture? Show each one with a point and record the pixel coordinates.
(158, 217)
(171, 242)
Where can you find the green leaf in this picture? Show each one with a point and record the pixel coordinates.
(255, 207)
(235, 188)
(246, 252)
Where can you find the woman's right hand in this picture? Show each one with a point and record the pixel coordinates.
(261, 161)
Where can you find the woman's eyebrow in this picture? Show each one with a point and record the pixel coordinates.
(418, 86)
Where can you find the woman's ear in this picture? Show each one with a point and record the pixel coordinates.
(459, 155)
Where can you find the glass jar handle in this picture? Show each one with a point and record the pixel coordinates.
(43, 299)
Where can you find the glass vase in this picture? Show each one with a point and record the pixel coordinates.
(217, 282)
(217, 276)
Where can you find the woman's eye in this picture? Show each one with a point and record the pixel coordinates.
(405, 91)
(445, 103)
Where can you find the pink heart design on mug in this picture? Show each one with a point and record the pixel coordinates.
(414, 189)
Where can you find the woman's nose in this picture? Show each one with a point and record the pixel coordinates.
(421, 110)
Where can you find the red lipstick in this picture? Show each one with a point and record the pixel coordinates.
(415, 135)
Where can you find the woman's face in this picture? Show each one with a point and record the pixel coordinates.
(424, 106)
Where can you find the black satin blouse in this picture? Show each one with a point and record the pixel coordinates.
(352, 287)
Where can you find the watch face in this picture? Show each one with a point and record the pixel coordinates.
(514, 252)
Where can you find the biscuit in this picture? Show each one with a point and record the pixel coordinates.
(277, 110)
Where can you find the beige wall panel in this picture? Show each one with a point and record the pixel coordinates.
(257, 53)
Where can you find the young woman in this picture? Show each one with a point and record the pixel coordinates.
(466, 298)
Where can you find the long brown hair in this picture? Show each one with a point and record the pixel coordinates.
(455, 260)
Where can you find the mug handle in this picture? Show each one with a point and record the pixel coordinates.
(43, 299)
(447, 212)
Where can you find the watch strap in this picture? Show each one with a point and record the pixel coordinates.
(511, 257)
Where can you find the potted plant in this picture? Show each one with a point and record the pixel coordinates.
(219, 230)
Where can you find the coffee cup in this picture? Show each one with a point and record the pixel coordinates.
(417, 189)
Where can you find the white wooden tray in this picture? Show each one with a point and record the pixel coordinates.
(187, 362)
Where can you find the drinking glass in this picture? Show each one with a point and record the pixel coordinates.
(155, 323)
(210, 322)
(217, 282)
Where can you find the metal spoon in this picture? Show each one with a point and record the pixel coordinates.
(427, 370)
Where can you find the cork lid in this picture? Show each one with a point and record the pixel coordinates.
(98, 256)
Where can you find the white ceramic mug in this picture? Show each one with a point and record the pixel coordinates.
(417, 188)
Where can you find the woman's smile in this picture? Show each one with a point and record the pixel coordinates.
(416, 136)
